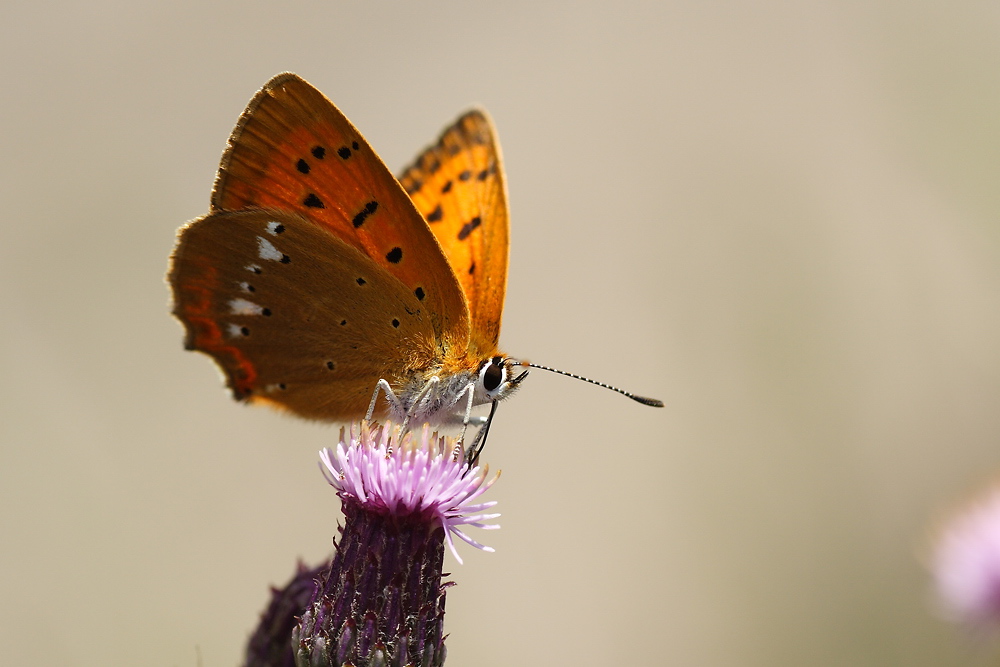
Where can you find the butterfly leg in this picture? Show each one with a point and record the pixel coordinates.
(395, 406)
(470, 390)
(415, 406)
(459, 420)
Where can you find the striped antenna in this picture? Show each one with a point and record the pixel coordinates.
(656, 403)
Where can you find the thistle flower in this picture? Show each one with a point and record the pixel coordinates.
(381, 600)
(270, 644)
(966, 565)
(427, 479)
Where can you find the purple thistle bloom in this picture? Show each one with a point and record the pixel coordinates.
(426, 478)
(966, 564)
(381, 599)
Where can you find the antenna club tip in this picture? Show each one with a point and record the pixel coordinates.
(653, 402)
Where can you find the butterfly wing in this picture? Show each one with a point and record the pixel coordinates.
(458, 185)
(307, 215)
(293, 150)
(294, 315)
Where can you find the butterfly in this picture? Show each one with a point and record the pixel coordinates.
(318, 280)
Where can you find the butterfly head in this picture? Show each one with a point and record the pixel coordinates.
(498, 378)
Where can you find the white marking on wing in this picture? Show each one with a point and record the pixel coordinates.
(266, 250)
(244, 307)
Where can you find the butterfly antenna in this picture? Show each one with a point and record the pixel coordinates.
(656, 403)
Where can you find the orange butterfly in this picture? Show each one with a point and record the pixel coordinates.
(317, 277)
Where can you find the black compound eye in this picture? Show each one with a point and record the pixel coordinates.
(492, 375)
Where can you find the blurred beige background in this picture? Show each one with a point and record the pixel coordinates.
(780, 219)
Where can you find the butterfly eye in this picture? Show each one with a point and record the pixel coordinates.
(493, 374)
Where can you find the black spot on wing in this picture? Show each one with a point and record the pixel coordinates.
(363, 214)
(467, 228)
(302, 166)
(344, 152)
(361, 281)
(395, 323)
(446, 188)
(435, 215)
(318, 152)
(312, 201)
(419, 293)
(395, 255)
(465, 175)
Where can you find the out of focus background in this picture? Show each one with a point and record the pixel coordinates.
(780, 218)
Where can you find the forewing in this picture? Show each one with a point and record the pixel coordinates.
(458, 185)
(294, 151)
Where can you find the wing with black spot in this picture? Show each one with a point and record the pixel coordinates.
(294, 151)
(458, 185)
(294, 315)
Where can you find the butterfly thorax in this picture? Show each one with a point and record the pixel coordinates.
(442, 394)
(425, 400)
